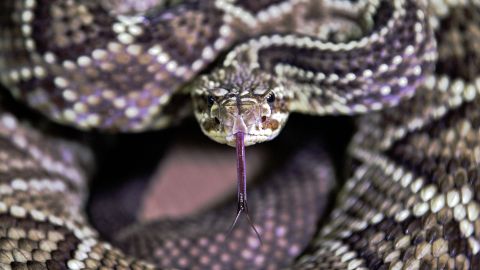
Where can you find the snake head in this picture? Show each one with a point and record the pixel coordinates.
(235, 99)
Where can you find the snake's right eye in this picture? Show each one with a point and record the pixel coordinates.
(271, 98)
(210, 101)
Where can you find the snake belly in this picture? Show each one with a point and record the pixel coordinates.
(410, 203)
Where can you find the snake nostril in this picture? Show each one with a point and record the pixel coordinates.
(217, 121)
(264, 118)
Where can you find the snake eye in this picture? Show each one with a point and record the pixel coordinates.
(271, 98)
(210, 101)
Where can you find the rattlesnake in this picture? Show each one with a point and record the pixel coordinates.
(410, 201)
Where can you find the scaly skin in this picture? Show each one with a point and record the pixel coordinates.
(266, 78)
(94, 68)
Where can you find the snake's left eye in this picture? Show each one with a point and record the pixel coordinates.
(210, 101)
(271, 98)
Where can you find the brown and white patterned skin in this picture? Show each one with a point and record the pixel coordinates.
(42, 189)
(411, 202)
(309, 75)
(82, 64)
(93, 68)
(413, 199)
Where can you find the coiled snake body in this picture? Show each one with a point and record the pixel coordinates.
(411, 200)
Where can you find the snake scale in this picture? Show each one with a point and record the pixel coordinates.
(410, 67)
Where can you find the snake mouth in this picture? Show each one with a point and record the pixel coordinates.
(230, 139)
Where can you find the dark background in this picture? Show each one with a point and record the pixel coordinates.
(125, 163)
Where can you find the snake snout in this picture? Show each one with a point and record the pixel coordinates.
(240, 118)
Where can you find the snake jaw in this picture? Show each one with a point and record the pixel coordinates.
(256, 126)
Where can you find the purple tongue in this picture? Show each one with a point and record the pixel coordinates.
(242, 184)
(241, 165)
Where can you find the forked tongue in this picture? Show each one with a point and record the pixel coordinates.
(242, 184)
